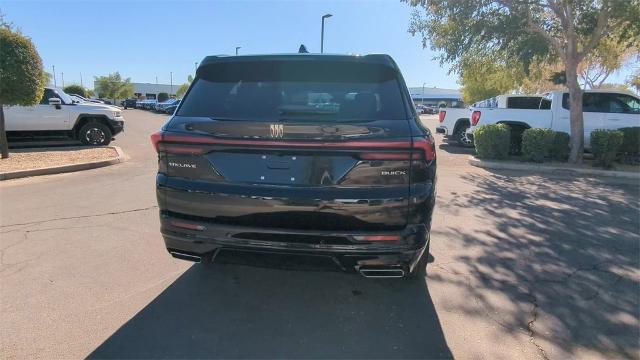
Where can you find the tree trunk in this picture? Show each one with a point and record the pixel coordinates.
(575, 112)
(4, 145)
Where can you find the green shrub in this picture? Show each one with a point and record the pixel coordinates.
(630, 148)
(536, 144)
(560, 146)
(605, 145)
(492, 141)
(163, 96)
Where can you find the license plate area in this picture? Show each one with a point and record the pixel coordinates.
(282, 168)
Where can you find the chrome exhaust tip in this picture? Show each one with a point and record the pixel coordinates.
(183, 256)
(382, 273)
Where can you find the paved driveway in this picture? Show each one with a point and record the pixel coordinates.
(523, 267)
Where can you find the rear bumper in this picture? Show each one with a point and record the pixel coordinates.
(205, 239)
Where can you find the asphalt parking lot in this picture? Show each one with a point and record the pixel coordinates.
(524, 266)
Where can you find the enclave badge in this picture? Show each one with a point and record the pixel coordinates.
(276, 130)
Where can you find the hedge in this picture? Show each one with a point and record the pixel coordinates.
(605, 145)
(536, 144)
(492, 141)
(560, 146)
(630, 148)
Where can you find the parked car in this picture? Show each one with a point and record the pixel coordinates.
(105, 101)
(129, 103)
(149, 104)
(602, 109)
(282, 176)
(57, 115)
(160, 106)
(172, 108)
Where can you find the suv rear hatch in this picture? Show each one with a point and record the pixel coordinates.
(294, 142)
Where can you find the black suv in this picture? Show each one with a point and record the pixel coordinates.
(319, 156)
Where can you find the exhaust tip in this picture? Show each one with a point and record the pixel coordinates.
(382, 273)
(183, 256)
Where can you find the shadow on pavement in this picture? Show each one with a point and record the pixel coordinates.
(563, 251)
(453, 148)
(231, 311)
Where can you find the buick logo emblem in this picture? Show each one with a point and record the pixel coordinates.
(276, 131)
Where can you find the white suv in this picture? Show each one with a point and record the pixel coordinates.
(58, 115)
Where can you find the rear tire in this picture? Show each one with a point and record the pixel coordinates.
(95, 134)
(460, 136)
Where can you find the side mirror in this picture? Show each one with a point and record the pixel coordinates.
(55, 101)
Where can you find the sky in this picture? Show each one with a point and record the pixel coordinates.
(148, 39)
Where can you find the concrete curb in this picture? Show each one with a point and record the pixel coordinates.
(65, 168)
(564, 170)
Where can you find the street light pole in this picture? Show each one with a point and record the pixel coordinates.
(423, 93)
(195, 68)
(325, 16)
(171, 76)
(54, 76)
(81, 84)
(62, 73)
(238, 47)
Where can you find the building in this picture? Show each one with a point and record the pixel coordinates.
(150, 91)
(436, 96)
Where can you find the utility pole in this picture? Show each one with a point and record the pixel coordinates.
(423, 93)
(54, 76)
(62, 73)
(325, 16)
(81, 84)
(171, 76)
(156, 80)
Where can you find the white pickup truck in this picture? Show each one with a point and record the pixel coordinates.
(58, 115)
(454, 122)
(603, 109)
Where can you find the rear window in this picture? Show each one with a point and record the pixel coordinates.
(271, 90)
(524, 102)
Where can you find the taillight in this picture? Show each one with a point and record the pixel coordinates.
(427, 147)
(377, 237)
(156, 137)
(475, 117)
(442, 115)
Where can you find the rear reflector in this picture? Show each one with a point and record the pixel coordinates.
(377, 237)
(475, 118)
(442, 115)
(187, 225)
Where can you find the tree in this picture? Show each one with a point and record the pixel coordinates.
(609, 56)
(634, 81)
(89, 92)
(163, 96)
(21, 76)
(75, 89)
(565, 31)
(114, 87)
(184, 87)
(46, 78)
